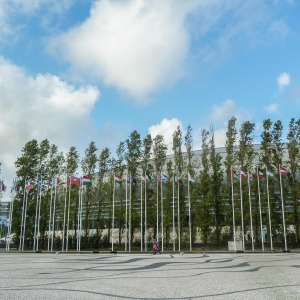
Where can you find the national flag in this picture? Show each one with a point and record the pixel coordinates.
(73, 180)
(145, 178)
(283, 171)
(190, 178)
(29, 186)
(161, 178)
(118, 179)
(260, 173)
(3, 186)
(15, 186)
(177, 178)
(233, 174)
(243, 174)
(57, 181)
(86, 180)
(41, 186)
(270, 172)
(148, 177)
(250, 176)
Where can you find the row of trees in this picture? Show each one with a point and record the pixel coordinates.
(210, 194)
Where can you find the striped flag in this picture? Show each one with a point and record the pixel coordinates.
(250, 176)
(270, 172)
(86, 180)
(260, 173)
(243, 175)
(283, 171)
(118, 179)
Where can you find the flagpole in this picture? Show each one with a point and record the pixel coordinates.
(22, 220)
(68, 217)
(50, 213)
(141, 218)
(282, 205)
(80, 217)
(113, 217)
(190, 226)
(126, 233)
(251, 225)
(233, 219)
(39, 216)
(242, 212)
(156, 207)
(129, 236)
(260, 216)
(162, 212)
(178, 214)
(63, 236)
(36, 215)
(53, 218)
(146, 233)
(173, 219)
(25, 217)
(269, 210)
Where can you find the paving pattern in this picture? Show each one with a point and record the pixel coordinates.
(145, 276)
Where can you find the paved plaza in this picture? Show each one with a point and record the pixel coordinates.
(145, 276)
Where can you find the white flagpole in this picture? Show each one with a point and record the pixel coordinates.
(233, 219)
(80, 217)
(53, 218)
(157, 234)
(260, 216)
(251, 225)
(50, 213)
(282, 205)
(113, 217)
(36, 214)
(269, 211)
(129, 236)
(162, 213)
(25, 217)
(173, 219)
(68, 218)
(126, 233)
(242, 212)
(63, 236)
(178, 214)
(141, 213)
(146, 233)
(190, 224)
(39, 217)
(23, 212)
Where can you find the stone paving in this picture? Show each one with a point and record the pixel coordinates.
(146, 276)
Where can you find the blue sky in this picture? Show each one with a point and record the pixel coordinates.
(76, 71)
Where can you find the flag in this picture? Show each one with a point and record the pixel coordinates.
(270, 172)
(177, 178)
(86, 180)
(148, 177)
(3, 186)
(15, 186)
(250, 175)
(283, 171)
(57, 181)
(233, 174)
(29, 186)
(260, 173)
(73, 180)
(190, 178)
(118, 179)
(243, 174)
(161, 178)
(41, 186)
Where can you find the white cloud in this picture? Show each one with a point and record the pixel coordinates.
(136, 46)
(166, 128)
(272, 108)
(283, 80)
(40, 107)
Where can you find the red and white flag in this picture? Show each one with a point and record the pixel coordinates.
(233, 174)
(283, 171)
(243, 175)
(250, 175)
(118, 179)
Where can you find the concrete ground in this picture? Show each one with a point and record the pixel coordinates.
(145, 276)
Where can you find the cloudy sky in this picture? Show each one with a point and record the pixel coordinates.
(74, 71)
